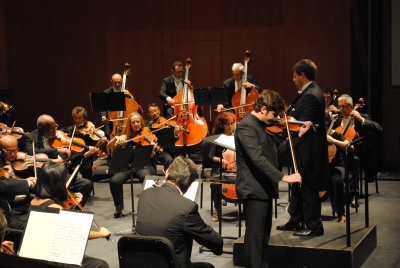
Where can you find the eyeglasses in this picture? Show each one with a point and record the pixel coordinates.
(10, 151)
(343, 106)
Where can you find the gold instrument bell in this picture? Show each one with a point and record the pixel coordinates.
(4, 107)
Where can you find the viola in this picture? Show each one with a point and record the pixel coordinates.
(63, 141)
(146, 137)
(244, 99)
(17, 132)
(88, 128)
(161, 122)
(346, 130)
(23, 161)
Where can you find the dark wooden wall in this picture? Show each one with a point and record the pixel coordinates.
(57, 52)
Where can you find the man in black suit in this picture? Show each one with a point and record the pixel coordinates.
(311, 156)
(258, 175)
(171, 86)
(164, 211)
(235, 83)
(366, 128)
(116, 81)
(14, 193)
(45, 132)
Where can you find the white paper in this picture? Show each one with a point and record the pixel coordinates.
(226, 141)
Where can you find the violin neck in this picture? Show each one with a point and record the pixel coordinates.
(80, 144)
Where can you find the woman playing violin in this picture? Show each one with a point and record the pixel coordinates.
(157, 121)
(46, 132)
(51, 191)
(224, 124)
(134, 136)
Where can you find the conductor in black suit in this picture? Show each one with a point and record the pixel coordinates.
(164, 211)
(258, 175)
(171, 86)
(311, 156)
(235, 83)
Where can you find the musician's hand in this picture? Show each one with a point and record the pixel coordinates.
(292, 178)
(333, 109)
(119, 140)
(220, 107)
(127, 94)
(58, 160)
(33, 181)
(304, 128)
(104, 232)
(187, 81)
(64, 151)
(9, 171)
(357, 115)
(170, 101)
(248, 85)
(176, 130)
(77, 196)
(225, 164)
(330, 139)
(101, 142)
(9, 245)
(104, 119)
(92, 150)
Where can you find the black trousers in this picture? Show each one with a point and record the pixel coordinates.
(258, 216)
(83, 186)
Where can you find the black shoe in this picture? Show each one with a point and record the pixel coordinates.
(291, 226)
(117, 215)
(354, 202)
(308, 232)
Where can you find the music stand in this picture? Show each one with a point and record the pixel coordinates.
(112, 101)
(130, 159)
(209, 96)
(165, 138)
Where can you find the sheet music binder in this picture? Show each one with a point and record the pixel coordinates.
(113, 101)
(207, 96)
(222, 140)
(136, 157)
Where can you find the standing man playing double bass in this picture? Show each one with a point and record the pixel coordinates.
(171, 86)
(311, 156)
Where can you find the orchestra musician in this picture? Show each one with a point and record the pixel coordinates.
(14, 193)
(156, 121)
(236, 82)
(79, 116)
(51, 191)
(225, 123)
(328, 97)
(362, 125)
(7, 247)
(116, 84)
(47, 131)
(171, 86)
(164, 211)
(134, 130)
(258, 175)
(311, 156)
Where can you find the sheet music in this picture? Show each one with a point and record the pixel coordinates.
(226, 141)
(56, 237)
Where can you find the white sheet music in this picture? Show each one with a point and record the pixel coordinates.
(56, 237)
(226, 141)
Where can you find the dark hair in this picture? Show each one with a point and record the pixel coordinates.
(79, 109)
(271, 100)
(182, 172)
(176, 63)
(153, 104)
(328, 90)
(307, 67)
(51, 182)
(3, 225)
(222, 119)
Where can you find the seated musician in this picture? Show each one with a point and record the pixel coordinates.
(156, 121)
(7, 247)
(79, 115)
(224, 124)
(14, 193)
(235, 83)
(47, 133)
(362, 125)
(134, 129)
(116, 81)
(328, 97)
(51, 191)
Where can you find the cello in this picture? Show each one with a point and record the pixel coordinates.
(194, 128)
(243, 99)
(346, 130)
(130, 104)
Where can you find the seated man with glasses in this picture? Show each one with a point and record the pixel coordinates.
(46, 132)
(157, 121)
(14, 191)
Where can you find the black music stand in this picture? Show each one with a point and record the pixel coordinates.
(130, 159)
(209, 96)
(227, 143)
(113, 101)
(165, 138)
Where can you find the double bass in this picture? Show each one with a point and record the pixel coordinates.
(194, 128)
(243, 99)
(130, 104)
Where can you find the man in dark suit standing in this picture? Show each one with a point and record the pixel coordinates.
(171, 86)
(164, 211)
(258, 175)
(235, 83)
(311, 156)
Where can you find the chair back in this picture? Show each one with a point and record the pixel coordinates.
(146, 251)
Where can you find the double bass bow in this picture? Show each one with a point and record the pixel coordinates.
(243, 99)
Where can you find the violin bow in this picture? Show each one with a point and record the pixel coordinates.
(34, 159)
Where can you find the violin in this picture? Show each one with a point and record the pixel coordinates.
(63, 141)
(146, 137)
(280, 124)
(161, 121)
(89, 128)
(17, 132)
(346, 130)
(23, 161)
